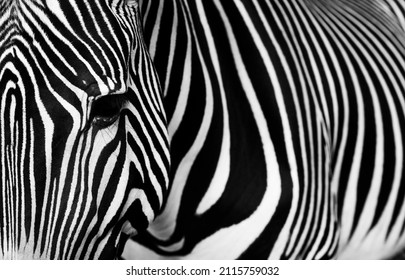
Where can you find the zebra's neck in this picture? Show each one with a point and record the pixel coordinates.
(25, 253)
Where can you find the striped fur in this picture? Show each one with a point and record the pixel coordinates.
(73, 183)
(287, 128)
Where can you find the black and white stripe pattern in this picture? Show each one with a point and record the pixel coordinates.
(83, 145)
(287, 128)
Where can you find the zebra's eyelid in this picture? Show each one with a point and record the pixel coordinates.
(131, 3)
(104, 110)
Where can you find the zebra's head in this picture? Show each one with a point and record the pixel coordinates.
(83, 146)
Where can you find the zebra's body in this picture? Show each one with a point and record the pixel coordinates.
(286, 126)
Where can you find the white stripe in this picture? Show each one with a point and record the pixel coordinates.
(220, 178)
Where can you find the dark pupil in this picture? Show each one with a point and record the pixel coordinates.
(107, 106)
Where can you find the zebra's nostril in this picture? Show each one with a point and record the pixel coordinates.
(93, 89)
(105, 110)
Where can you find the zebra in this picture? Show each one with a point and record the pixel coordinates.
(286, 122)
(84, 155)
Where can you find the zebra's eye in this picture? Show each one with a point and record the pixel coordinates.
(105, 110)
(131, 3)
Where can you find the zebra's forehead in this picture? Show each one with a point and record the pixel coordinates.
(74, 50)
(85, 42)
